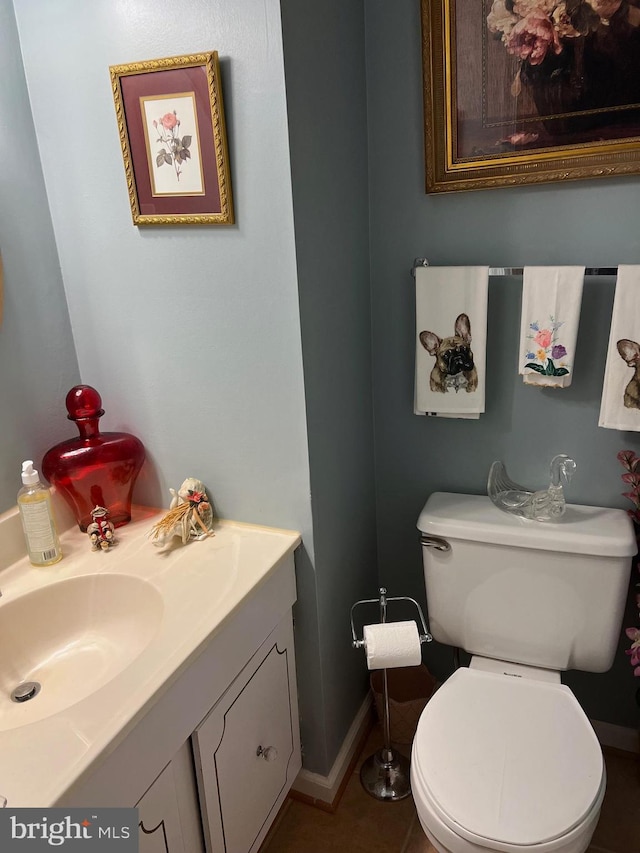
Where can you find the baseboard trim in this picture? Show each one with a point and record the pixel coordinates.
(617, 737)
(325, 791)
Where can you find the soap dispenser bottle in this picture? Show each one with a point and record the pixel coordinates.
(38, 523)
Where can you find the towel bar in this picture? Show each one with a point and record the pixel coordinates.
(423, 262)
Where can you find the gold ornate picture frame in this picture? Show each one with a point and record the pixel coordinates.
(174, 144)
(529, 91)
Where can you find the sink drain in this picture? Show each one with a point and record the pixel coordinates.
(25, 691)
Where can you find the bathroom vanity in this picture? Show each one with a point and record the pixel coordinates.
(183, 704)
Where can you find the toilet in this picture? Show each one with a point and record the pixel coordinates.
(504, 758)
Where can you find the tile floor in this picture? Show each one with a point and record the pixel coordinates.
(364, 825)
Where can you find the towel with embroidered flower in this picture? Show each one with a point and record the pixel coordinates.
(551, 301)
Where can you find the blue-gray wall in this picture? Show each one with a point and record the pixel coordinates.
(37, 353)
(591, 222)
(326, 101)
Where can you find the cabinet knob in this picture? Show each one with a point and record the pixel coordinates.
(269, 753)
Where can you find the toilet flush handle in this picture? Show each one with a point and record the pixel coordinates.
(435, 542)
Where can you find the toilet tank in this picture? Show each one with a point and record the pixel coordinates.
(546, 594)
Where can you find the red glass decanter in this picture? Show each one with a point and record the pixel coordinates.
(96, 469)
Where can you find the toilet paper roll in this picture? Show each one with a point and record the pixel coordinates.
(392, 644)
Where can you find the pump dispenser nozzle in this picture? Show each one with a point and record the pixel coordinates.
(29, 476)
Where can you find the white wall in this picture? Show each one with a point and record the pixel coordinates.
(191, 334)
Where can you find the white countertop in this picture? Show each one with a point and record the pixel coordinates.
(202, 584)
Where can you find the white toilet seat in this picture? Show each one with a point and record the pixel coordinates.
(501, 762)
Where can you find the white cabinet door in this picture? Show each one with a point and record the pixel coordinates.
(168, 813)
(248, 749)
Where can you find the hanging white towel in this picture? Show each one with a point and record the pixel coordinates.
(620, 406)
(451, 341)
(551, 300)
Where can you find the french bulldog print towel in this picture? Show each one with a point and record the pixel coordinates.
(551, 301)
(451, 336)
(620, 406)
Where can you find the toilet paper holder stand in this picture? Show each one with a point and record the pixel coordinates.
(385, 774)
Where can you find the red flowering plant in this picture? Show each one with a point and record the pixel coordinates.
(631, 478)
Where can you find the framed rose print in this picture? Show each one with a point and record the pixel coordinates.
(172, 131)
(529, 91)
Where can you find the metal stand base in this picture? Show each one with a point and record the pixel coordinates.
(385, 775)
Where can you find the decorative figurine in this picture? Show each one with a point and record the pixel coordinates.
(544, 505)
(100, 530)
(190, 515)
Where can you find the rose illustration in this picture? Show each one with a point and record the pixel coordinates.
(169, 121)
(175, 149)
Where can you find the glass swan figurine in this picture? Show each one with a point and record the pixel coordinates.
(544, 505)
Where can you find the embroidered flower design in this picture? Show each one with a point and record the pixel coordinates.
(545, 359)
(543, 338)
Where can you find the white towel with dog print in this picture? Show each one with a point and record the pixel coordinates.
(620, 406)
(551, 301)
(451, 341)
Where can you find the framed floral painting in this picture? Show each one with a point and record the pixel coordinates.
(171, 123)
(529, 91)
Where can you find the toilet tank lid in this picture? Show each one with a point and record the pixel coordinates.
(593, 530)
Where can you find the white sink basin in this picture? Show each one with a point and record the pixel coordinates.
(71, 637)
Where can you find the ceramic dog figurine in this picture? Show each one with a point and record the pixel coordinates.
(630, 352)
(454, 367)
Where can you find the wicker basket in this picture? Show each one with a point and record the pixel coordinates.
(410, 688)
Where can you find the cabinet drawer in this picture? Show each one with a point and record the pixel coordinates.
(247, 748)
